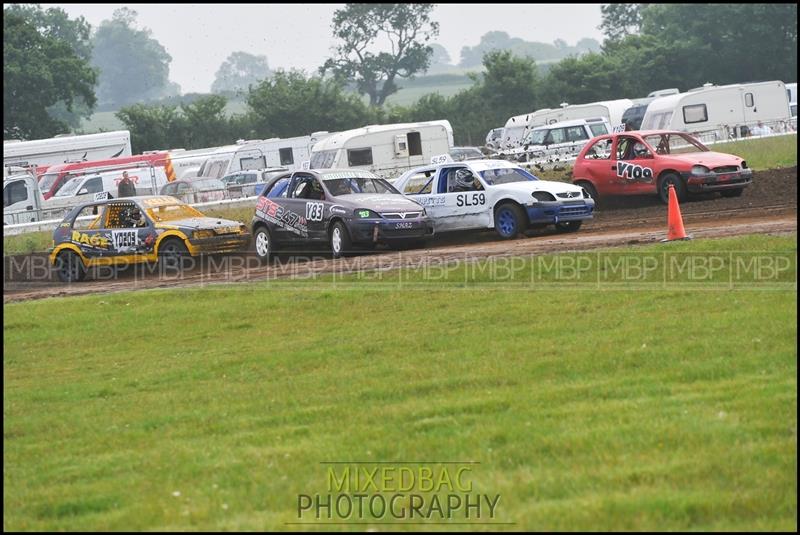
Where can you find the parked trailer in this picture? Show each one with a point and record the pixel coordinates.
(260, 154)
(386, 150)
(612, 110)
(65, 149)
(726, 111)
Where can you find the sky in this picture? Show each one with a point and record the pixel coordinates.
(199, 37)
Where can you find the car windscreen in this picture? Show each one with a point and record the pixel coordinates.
(536, 137)
(172, 212)
(47, 181)
(348, 185)
(70, 187)
(506, 175)
(674, 143)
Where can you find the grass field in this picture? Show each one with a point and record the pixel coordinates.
(212, 408)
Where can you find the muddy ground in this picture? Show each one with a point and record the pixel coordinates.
(768, 206)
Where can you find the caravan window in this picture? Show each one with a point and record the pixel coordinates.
(259, 162)
(323, 159)
(287, 158)
(414, 144)
(214, 169)
(696, 113)
(359, 156)
(748, 100)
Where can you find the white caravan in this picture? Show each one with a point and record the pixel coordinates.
(290, 153)
(612, 110)
(65, 149)
(721, 111)
(386, 150)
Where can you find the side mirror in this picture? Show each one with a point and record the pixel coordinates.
(83, 191)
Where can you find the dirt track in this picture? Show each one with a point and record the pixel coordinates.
(768, 206)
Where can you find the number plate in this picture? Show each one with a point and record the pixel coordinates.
(406, 224)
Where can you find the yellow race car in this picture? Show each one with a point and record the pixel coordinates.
(131, 230)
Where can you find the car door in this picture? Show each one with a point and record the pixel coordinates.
(129, 238)
(302, 211)
(633, 167)
(88, 231)
(452, 209)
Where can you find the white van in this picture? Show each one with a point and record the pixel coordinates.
(260, 154)
(387, 149)
(721, 111)
(561, 140)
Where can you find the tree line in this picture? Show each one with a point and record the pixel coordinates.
(646, 47)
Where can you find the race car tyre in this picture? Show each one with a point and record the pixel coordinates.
(172, 253)
(568, 226)
(263, 244)
(70, 267)
(591, 190)
(509, 220)
(732, 192)
(340, 240)
(663, 188)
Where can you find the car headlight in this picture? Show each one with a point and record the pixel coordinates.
(700, 170)
(365, 213)
(202, 234)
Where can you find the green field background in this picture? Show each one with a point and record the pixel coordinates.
(212, 408)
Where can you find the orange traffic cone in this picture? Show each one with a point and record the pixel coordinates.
(675, 229)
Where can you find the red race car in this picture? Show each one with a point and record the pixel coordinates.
(648, 161)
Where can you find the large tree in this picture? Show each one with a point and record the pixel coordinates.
(240, 71)
(361, 27)
(291, 104)
(134, 67)
(621, 20)
(40, 70)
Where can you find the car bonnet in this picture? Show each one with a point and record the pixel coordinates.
(378, 202)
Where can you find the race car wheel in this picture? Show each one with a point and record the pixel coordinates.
(70, 267)
(172, 253)
(508, 220)
(340, 240)
(590, 189)
(732, 192)
(568, 226)
(663, 188)
(263, 243)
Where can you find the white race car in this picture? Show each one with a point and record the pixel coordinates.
(494, 194)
